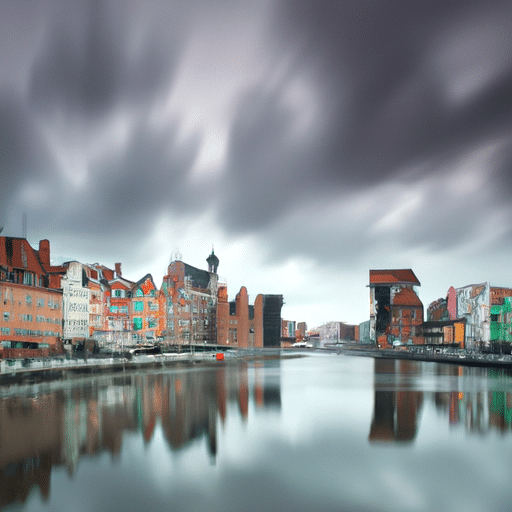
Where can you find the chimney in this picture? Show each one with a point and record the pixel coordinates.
(118, 270)
(44, 252)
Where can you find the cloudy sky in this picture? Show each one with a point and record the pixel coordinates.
(308, 141)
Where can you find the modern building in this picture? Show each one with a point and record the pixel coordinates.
(396, 312)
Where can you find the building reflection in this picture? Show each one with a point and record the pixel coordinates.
(58, 428)
(395, 413)
(397, 405)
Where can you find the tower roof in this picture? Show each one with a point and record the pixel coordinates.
(393, 276)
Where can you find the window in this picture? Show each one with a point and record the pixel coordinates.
(494, 317)
(40, 303)
(114, 309)
(5, 330)
(28, 278)
(28, 299)
(138, 305)
(137, 323)
(7, 316)
(123, 309)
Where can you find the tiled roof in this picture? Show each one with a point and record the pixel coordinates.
(406, 297)
(393, 277)
(18, 253)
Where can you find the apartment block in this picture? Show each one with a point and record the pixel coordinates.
(31, 311)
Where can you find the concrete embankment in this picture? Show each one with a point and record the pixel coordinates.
(47, 370)
(466, 359)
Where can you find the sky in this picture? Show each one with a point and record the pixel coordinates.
(306, 141)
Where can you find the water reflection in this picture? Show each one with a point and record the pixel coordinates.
(397, 405)
(317, 433)
(395, 415)
(39, 433)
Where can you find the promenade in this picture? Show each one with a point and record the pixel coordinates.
(459, 358)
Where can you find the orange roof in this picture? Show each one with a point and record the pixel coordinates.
(406, 297)
(18, 253)
(393, 277)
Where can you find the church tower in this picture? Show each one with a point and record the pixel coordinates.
(213, 262)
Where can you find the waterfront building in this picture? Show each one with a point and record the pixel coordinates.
(75, 303)
(475, 316)
(288, 334)
(396, 311)
(501, 324)
(145, 311)
(243, 325)
(364, 332)
(31, 316)
(98, 313)
(302, 329)
(190, 302)
(118, 297)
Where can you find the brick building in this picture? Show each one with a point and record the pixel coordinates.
(117, 299)
(190, 303)
(243, 325)
(396, 312)
(145, 311)
(31, 318)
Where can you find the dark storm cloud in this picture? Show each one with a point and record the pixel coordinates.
(266, 170)
(97, 64)
(387, 105)
(23, 153)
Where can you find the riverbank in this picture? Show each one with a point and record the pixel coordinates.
(458, 358)
(65, 369)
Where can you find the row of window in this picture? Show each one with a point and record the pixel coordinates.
(27, 332)
(24, 344)
(137, 306)
(30, 318)
(80, 293)
(138, 323)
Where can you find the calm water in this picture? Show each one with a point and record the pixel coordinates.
(323, 432)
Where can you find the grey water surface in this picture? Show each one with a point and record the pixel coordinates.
(321, 432)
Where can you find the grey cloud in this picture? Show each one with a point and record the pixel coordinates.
(23, 153)
(370, 52)
(268, 170)
(101, 61)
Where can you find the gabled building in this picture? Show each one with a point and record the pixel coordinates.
(145, 311)
(396, 312)
(118, 297)
(31, 310)
(98, 286)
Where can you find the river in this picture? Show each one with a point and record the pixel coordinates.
(320, 432)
